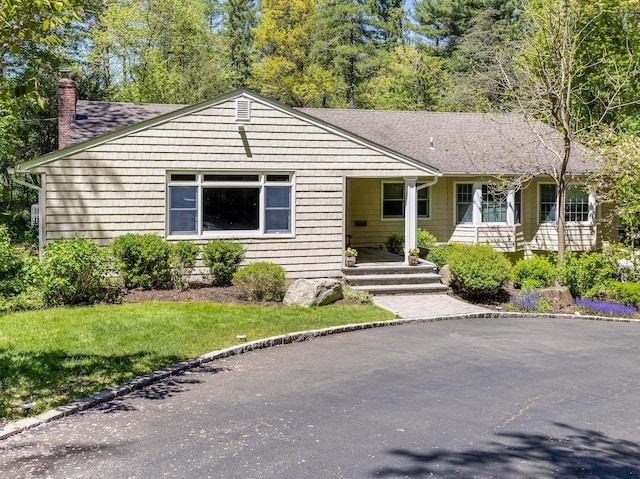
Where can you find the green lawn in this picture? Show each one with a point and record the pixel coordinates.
(56, 355)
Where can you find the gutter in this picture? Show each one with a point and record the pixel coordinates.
(12, 173)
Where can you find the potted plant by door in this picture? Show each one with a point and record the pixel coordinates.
(413, 256)
(350, 255)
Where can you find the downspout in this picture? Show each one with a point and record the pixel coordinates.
(413, 222)
(12, 172)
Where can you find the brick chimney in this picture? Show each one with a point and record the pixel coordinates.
(66, 107)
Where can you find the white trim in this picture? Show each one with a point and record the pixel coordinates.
(243, 109)
(242, 93)
(199, 183)
(419, 186)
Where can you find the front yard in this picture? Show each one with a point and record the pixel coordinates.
(52, 356)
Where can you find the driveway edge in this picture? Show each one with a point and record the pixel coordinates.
(140, 382)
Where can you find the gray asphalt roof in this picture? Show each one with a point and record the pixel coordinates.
(450, 142)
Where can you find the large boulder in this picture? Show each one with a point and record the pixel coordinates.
(445, 275)
(313, 292)
(559, 297)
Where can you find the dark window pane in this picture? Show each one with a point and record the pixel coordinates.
(393, 208)
(277, 221)
(231, 177)
(278, 196)
(280, 178)
(423, 208)
(183, 221)
(183, 177)
(393, 191)
(183, 197)
(230, 209)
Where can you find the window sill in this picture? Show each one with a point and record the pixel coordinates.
(231, 235)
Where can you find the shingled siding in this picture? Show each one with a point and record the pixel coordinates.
(365, 206)
(120, 186)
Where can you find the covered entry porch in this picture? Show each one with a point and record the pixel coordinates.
(378, 208)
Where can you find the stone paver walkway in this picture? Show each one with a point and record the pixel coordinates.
(413, 306)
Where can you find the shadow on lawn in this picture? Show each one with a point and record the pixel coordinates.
(578, 453)
(54, 378)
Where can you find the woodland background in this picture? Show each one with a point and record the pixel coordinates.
(438, 55)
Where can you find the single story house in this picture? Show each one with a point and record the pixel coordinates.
(297, 185)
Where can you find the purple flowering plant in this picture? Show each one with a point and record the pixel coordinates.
(529, 300)
(609, 308)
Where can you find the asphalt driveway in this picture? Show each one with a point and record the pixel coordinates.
(508, 398)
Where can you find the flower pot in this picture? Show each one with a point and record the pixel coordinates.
(413, 260)
(350, 261)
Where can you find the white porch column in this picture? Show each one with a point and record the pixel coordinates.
(477, 204)
(410, 216)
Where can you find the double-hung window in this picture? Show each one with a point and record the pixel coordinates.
(393, 201)
(215, 203)
(494, 205)
(576, 204)
(464, 203)
(478, 203)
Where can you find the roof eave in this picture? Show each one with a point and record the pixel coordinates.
(73, 149)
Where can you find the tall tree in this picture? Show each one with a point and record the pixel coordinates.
(551, 79)
(408, 79)
(25, 25)
(444, 22)
(238, 23)
(283, 69)
(161, 51)
(344, 41)
(388, 21)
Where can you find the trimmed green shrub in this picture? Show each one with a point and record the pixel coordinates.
(357, 295)
(222, 258)
(29, 299)
(440, 254)
(425, 239)
(626, 293)
(478, 269)
(74, 271)
(142, 260)
(585, 272)
(535, 272)
(10, 264)
(394, 243)
(261, 281)
(183, 261)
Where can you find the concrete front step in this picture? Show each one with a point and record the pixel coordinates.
(427, 288)
(391, 279)
(371, 269)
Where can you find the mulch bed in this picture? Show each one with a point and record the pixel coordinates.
(195, 292)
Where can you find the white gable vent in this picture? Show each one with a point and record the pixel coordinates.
(243, 109)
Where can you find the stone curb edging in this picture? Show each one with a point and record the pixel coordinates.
(140, 382)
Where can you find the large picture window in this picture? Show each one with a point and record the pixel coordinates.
(208, 204)
(393, 201)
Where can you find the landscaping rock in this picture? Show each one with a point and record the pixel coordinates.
(445, 273)
(558, 297)
(313, 292)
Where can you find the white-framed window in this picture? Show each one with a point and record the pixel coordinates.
(494, 204)
(464, 203)
(577, 204)
(393, 201)
(214, 203)
(480, 203)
